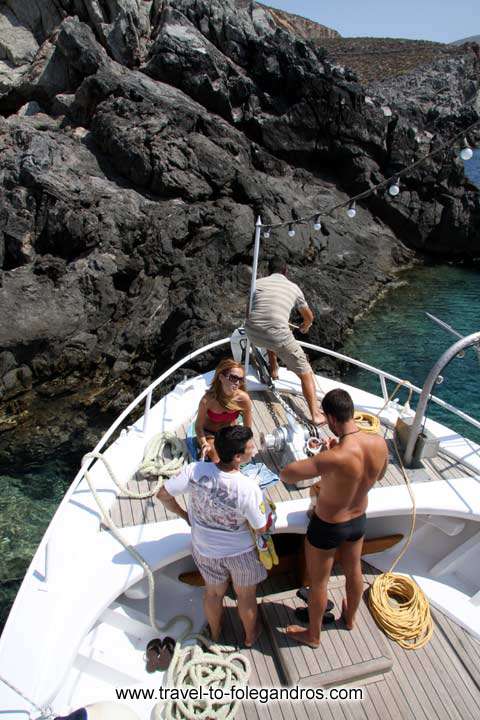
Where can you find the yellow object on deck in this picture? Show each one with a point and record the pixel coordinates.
(367, 422)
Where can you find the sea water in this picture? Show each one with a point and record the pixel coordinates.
(395, 336)
(398, 337)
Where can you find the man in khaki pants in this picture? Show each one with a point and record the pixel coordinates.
(268, 327)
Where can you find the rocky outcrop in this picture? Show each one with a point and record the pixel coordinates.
(375, 59)
(134, 165)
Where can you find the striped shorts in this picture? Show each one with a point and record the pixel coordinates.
(244, 570)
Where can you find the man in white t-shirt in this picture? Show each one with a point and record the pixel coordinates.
(222, 502)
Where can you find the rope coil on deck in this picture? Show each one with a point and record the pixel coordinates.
(367, 422)
(216, 667)
(154, 461)
(397, 604)
(401, 610)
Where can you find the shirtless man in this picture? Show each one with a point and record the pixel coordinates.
(348, 467)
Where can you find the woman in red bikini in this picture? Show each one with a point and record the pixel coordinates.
(221, 405)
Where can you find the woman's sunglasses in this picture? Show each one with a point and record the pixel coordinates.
(234, 378)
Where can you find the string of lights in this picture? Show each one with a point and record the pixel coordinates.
(392, 183)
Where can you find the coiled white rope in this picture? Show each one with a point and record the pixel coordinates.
(154, 462)
(217, 667)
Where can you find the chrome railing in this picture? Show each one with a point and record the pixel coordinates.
(384, 376)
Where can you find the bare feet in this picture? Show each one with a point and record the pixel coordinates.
(250, 642)
(274, 372)
(300, 635)
(319, 419)
(347, 622)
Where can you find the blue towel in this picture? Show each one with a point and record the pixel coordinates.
(191, 442)
(260, 472)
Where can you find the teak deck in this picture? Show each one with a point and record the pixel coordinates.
(331, 663)
(438, 682)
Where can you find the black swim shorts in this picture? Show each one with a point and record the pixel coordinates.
(327, 536)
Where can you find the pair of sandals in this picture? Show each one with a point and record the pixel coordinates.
(159, 654)
(302, 613)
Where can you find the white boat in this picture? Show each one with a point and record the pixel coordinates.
(78, 629)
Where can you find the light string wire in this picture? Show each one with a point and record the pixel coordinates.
(393, 179)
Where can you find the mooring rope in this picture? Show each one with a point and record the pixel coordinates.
(215, 668)
(398, 605)
(107, 520)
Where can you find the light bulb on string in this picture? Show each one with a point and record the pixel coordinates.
(466, 153)
(317, 225)
(266, 233)
(395, 188)
(352, 210)
(291, 230)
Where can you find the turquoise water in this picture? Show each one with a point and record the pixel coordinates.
(395, 336)
(26, 505)
(399, 338)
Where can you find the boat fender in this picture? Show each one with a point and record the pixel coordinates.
(102, 711)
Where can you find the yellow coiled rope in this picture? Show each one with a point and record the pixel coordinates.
(367, 422)
(397, 603)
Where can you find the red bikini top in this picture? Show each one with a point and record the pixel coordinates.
(226, 416)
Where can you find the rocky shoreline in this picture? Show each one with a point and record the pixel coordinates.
(139, 145)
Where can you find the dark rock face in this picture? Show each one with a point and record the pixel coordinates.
(139, 141)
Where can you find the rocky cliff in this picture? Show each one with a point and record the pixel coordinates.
(139, 140)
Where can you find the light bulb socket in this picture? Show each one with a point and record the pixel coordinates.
(266, 233)
(395, 188)
(466, 153)
(352, 209)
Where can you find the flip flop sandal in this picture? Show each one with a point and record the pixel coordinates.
(152, 654)
(302, 594)
(166, 653)
(302, 615)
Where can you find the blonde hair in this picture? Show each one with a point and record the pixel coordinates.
(216, 388)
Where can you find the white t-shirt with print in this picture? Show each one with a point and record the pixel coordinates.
(219, 506)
